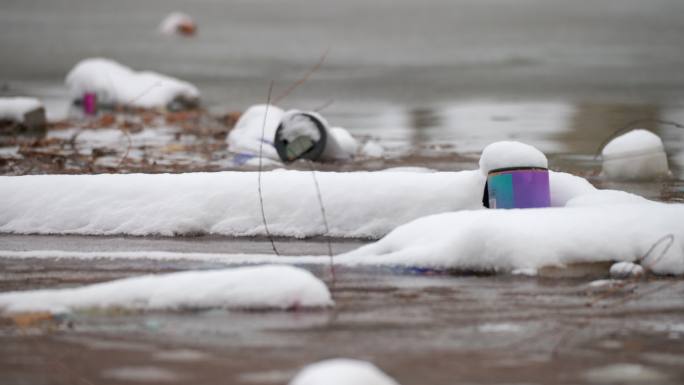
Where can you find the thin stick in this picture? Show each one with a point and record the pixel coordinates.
(325, 223)
(301, 81)
(261, 146)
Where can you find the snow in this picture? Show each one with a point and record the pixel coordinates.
(13, 109)
(505, 240)
(626, 270)
(358, 204)
(298, 125)
(507, 154)
(246, 136)
(116, 84)
(372, 150)
(344, 139)
(342, 371)
(638, 154)
(259, 287)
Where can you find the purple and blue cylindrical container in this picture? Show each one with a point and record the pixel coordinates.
(519, 188)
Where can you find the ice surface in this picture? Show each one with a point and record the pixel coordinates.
(117, 84)
(342, 371)
(13, 109)
(638, 154)
(508, 154)
(259, 287)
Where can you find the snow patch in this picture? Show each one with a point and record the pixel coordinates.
(505, 240)
(507, 154)
(342, 371)
(116, 84)
(14, 109)
(638, 154)
(259, 287)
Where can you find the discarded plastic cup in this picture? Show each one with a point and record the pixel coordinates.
(300, 135)
(519, 188)
(90, 103)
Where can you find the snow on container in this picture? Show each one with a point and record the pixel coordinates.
(306, 135)
(636, 155)
(178, 23)
(517, 176)
(117, 85)
(21, 114)
(342, 371)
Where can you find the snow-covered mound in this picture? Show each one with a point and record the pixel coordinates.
(116, 84)
(14, 109)
(638, 154)
(246, 137)
(504, 240)
(342, 371)
(259, 287)
(357, 204)
(508, 154)
(178, 23)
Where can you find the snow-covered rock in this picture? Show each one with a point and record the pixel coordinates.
(505, 240)
(638, 154)
(28, 112)
(507, 154)
(116, 84)
(342, 371)
(259, 287)
(178, 23)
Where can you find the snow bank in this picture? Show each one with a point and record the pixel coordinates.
(116, 84)
(504, 240)
(508, 154)
(14, 109)
(260, 287)
(358, 204)
(638, 154)
(342, 371)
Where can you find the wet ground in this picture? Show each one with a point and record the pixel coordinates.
(419, 329)
(431, 82)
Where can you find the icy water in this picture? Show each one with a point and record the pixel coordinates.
(433, 82)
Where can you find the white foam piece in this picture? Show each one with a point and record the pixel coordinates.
(117, 84)
(638, 154)
(258, 287)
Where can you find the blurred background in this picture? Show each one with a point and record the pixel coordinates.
(456, 74)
